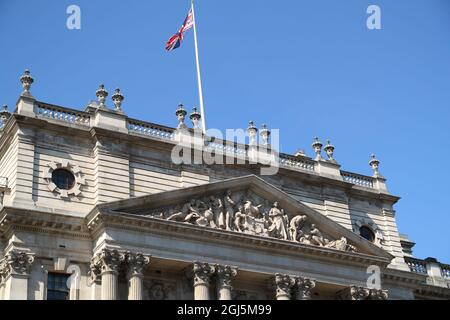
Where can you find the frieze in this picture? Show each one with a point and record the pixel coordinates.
(246, 212)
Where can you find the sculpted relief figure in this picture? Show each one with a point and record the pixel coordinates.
(210, 213)
(251, 210)
(187, 212)
(240, 219)
(341, 244)
(315, 236)
(278, 221)
(249, 213)
(295, 227)
(229, 211)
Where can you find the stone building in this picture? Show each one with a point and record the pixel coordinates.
(94, 207)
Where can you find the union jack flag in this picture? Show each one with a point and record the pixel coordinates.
(175, 41)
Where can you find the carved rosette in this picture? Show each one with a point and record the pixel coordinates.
(284, 284)
(136, 263)
(202, 273)
(107, 260)
(378, 294)
(224, 275)
(16, 263)
(303, 287)
(354, 293)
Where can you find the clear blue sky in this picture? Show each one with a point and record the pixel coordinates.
(308, 67)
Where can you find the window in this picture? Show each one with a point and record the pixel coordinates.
(63, 179)
(57, 286)
(367, 233)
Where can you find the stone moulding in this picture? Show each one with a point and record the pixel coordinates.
(42, 222)
(74, 169)
(124, 221)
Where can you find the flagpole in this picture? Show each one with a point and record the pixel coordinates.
(199, 79)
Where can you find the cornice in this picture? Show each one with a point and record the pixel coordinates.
(12, 219)
(407, 278)
(99, 221)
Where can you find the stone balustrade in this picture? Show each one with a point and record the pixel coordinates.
(151, 129)
(357, 179)
(62, 114)
(226, 148)
(438, 273)
(296, 162)
(416, 265)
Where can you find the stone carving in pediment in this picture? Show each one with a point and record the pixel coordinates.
(246, 212)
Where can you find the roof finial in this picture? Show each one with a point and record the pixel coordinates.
(265, 134)
(317, 146)
(101, 94)
(117, 99)
(195, 118)
(181, 116)
(329, 149)
(252, 130)
(374, 164)
(27, 80)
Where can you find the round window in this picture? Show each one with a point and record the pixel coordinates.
(63, 179)
(367, 233)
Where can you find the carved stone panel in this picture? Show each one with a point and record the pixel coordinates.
(247, 212)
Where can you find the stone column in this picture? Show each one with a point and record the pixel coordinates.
(136, 263)
(202, 273)
(303, 287)
(15, 270)
(107, 263)
(284, 285)
(224, 277)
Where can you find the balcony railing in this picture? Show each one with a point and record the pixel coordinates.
(296, 162)
(357, 179)
(445, 268)
(151, 129)
(438, 274)
(62, 114)
(416, 265)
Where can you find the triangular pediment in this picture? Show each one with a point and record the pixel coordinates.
(247, 205)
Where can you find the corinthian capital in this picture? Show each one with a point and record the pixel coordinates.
(304, 286)
(284, 284)
(107, 260)
(225, 274)
(136, 263)
(16, 262)
(378, 294)
(354, 293)
(202, 273)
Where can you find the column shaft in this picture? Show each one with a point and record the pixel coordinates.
(109, 285)
(201, 292)
(135, 288)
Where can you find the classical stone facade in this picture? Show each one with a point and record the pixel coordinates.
(93, 207)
